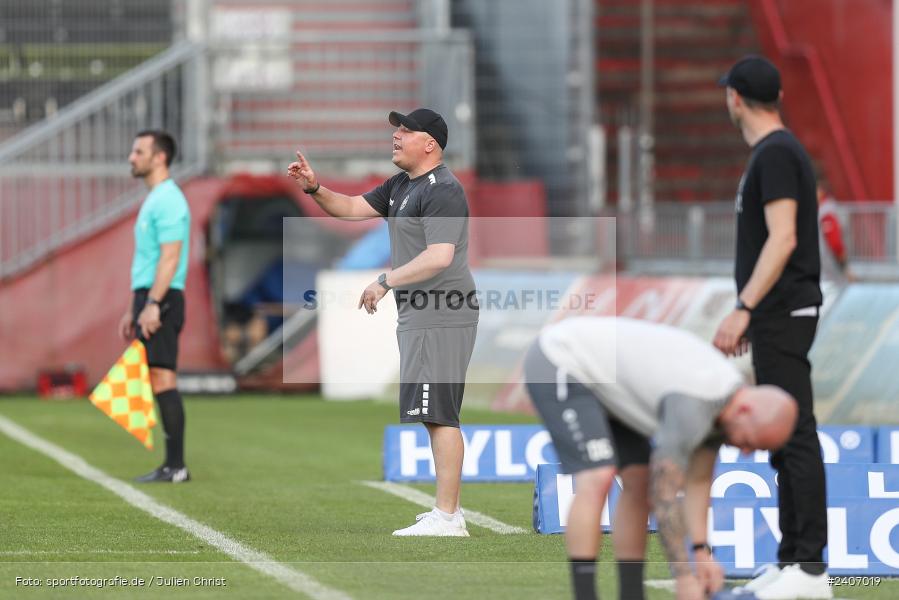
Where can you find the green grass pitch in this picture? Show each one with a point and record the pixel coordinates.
(279, 474)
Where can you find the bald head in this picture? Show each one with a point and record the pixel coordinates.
(759, 418)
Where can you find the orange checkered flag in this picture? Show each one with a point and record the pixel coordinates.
(125, 394)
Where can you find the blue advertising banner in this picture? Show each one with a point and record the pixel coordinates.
(839, 444)
(492, 453)
(863, 515)
(512, 452)
(888, 445)
(553, 494)
(863, 535)
(754, 480)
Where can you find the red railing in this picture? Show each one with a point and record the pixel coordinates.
(834, 122)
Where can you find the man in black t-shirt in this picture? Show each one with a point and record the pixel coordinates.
(778, 298)
(427, 216)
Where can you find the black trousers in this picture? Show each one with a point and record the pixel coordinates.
(780, 347)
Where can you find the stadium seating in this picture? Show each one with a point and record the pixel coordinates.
(54, 52)
(338, 90)
(699, 156)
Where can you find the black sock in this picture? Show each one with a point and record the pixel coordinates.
(630, 579)
(583, 578)
(171, 408)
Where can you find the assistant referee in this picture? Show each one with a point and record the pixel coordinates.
(158, 275)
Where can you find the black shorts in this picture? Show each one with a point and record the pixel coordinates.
(585, 436)
(433, 364)
(162, 347)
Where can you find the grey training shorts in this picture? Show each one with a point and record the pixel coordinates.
(433, 364)
(585, 436)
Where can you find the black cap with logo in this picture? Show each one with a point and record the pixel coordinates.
(755, 78)
(423, 119)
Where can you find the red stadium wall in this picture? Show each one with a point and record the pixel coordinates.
(836, 61)
(509, 220)
(66, 309)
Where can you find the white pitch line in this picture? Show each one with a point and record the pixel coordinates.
(416, 497)
(265, 564)
(660, 584)
(90, 552)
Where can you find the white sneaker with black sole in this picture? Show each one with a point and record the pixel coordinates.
(794, 584)
(762, 576)
(433, 523)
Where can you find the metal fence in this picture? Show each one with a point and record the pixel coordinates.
(323, 77)
(330, 93)
(706, 232)
(229, 103)
(67, 176)
(268, 78)
(535, 90)
(53, 52)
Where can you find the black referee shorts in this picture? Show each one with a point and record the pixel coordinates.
(162, 346)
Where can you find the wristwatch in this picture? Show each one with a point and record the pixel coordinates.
(153, 301)
(742, 306)
(312, 191)
(382, 279)
(702, 546)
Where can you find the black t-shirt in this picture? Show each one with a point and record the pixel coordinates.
(779, 168)
(430, 209)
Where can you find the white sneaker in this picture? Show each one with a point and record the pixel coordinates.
(794, 583)
(433, 524)
(762, 576)
(457, 515)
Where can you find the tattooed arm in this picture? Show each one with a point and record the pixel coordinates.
(683, 425)
(697, 491)
(666, 479)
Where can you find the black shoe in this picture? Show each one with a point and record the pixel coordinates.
(165, 474)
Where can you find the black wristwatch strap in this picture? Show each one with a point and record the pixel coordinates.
(153, 301)
(742, 306)
(382, 279)
(311, 191)
(701, 546)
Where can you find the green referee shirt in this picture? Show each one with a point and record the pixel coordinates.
(164, 217)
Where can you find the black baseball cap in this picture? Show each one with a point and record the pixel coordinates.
(754, 77)
(422, 119)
